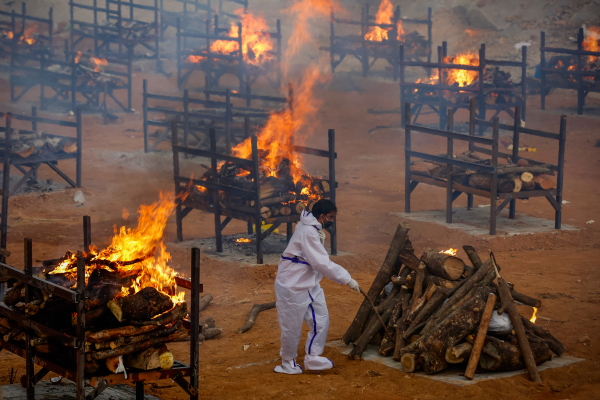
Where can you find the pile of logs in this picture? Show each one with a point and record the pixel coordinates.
(279, 195)
(438, 311)
(511, 177)
(123, 331)
(26, 143)
(565, 63)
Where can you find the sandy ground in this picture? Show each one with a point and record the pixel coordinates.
(561, 268)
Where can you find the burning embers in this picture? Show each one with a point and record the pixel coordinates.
(28, 36)
(135, 259)
(243, 240)
(385, 14)
(591, 42)
(93, 62)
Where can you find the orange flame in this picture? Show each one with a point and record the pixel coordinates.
(461, 76)
(591, 42)
(194, 59)
(451, 252)
(100, 62)
(534, 316)
(9, 35)
(384, 15)
(77, 57)
(145, 241)
(275, 138)
(26, 38)
(256, 43)
(243, 240)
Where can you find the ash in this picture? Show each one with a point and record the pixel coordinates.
(34, 186)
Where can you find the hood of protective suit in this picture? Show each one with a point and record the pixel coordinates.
(308, 219)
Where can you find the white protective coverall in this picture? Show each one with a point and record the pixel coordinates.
(301, 298)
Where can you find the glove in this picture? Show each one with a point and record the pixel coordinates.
(353, 285)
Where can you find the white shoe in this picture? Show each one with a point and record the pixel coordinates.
(288, 367)
(317, 363)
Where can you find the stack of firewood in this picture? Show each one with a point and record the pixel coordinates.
(438, 312)
(511, 177)
(570, 63)
(26, 143)
(122, 330)
(279, 195)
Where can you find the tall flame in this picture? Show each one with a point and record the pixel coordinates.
(384, 15)
(591, 42)
(275, 139)
(461, 76)
(256, 43)
(145, 241)
(534, 316)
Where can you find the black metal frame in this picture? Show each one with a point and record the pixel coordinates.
(215, 114)
(366, 51)
(252, 214)
(29, 166)
(580, 85)
(215, 65)
(441, 106)
(43, 42)
(453, 190)
(77, 342)
(28, 71)
(105, 35)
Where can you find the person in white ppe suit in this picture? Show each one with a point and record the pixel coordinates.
(299, 294)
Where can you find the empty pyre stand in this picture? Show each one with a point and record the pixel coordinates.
(29, 165)
(197, 16)
(454, 190)
(570, 79)
(66, 79)
(75, 371)
(368, 51)
(11, 21)
(437, 101)
(214, 65)
(252, 216)
(195, 122)
(126, 32)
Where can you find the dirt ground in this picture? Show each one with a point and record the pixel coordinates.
(560, 267)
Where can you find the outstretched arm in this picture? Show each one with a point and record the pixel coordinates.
(315, 254)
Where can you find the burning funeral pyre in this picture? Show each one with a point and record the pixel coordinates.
(440, 311)
(133, 307)
(285, 188)
(565, 63)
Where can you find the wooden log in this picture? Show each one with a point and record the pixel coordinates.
(182, 333)
(205, 323)
(544, 182)
(526, 177)
(451, 331)
(390, 264)
(555, 345)
(424, 168)
(14, 295)
(473, 256)
(92, 315)
(126, 340)
(468, 271)
(534, 169)
(178, 312)
(479, 340)
(149, 359)
(515, 319)
(510, 358)
(210, 333)
(459, 353)
(410, 362)
(432, 305)
(299, 207)
(387, 346)
(285, 210)
(528, 185)
(400, 329)
(391, 298)
(443, 265)
(204, 301)
(527, 300)
(143, 305)
(112, 364)
(482, 181)
(257, 308)
(518, 183)
(418, 304)
(458, 295)
(276, 200)
(265, 212)
(109, 334)
(441, 282)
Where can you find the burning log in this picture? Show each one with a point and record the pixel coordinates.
(109, 334)
(126, 340)
(141, 306)
(177, 313)
(444, 265)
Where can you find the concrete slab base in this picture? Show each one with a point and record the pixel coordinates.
(65, 390)
(244, 253)
(477, 221)
(454, 373)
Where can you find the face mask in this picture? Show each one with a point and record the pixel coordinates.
(327, 224)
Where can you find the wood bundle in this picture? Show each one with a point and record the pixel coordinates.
(439, 309)
(511, 177)
(26, 143)
(127, 330)
(279, 195)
